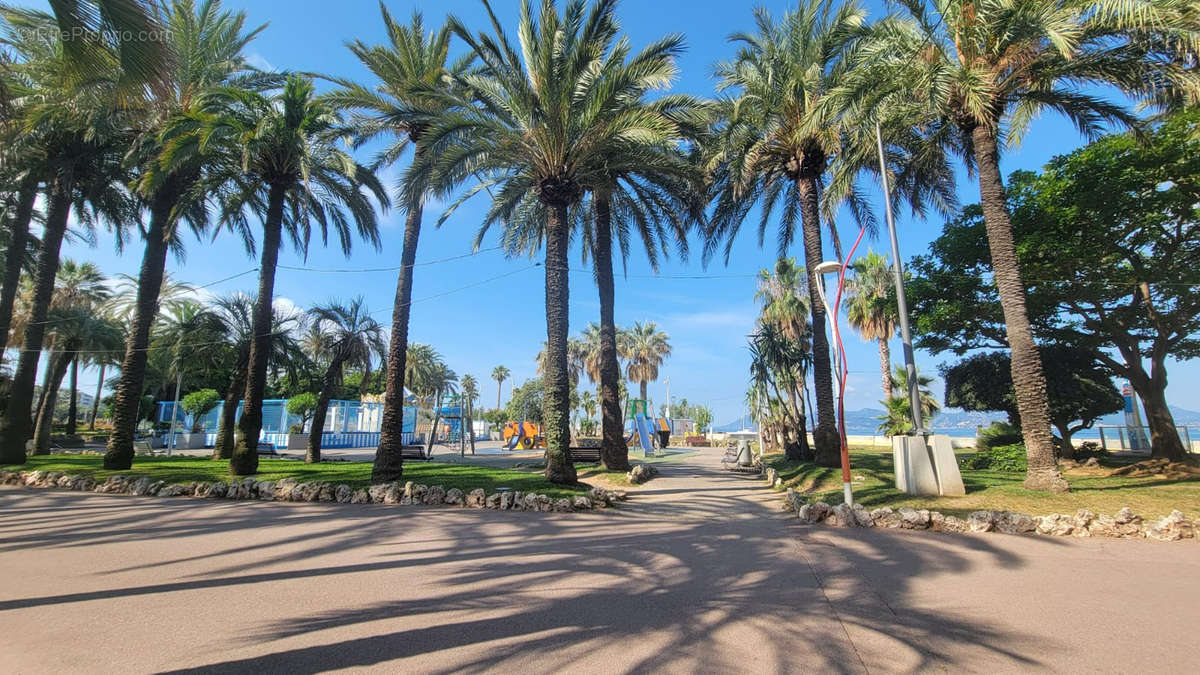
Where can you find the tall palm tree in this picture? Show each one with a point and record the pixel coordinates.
(204, 45)
(552, 119)
(412, 69)
(237, 314)
(79, 127)
(499, 374)
(352, 338)
(645, 349)
(773, 145)
(985, 69)
(291, 173)
(192, 337)
(870, 309)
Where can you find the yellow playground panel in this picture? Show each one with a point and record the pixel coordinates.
(523, 436)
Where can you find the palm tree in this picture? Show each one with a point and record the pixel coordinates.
(773, 145)
(870, 309)
(192, 336)
(78, 128)
(119, 26)
(778, 364)
(984, 70)
(412, 71)
(204, 48)
(291, 173)
(552, 120)
(646, 347)
(352, 338)
(470, 393)
(237, 314)
(897, 418)
(499, 374)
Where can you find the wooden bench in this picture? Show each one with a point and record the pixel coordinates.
(414, 452)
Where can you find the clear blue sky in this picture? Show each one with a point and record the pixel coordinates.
(499, 319)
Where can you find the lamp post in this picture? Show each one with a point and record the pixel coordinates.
(910, 366)
(839, 371)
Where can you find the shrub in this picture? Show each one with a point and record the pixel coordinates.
(1090, 449)
(999, 458)
(1000, 433)
(198, 404)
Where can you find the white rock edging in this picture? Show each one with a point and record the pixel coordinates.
(289, 490)
(1125, 524)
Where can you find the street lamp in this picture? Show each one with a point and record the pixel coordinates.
(840, 370)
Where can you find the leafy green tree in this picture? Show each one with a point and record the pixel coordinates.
(352, 337)
(527, 402)
(203, 45)
(1080, 391)
(413, 72)
(302, 405)
(198, 404)
(291, 173)
(897, 417)
(958, 57)
(776, 365)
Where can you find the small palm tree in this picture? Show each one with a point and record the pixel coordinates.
(499, 374)
(292, 174)
(984, 69)
(352, 338)
(470, 393)
(870, 309)
(645, 349)
(897, 418)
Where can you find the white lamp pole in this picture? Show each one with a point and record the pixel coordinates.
(834, 267)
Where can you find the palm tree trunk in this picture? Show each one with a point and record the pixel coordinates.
(557, 403)
(643, 386)
(59, 363)
(73, 406)
(471, 424)
(47, 386)
(223, 444)
(16, 427)
(885, 367)
(313, 455)
(436, 416)
(132, 385)
(825, 436)
(14, 261)
(96, 399)
(1028, 381)
(244, 461)
(614, 454)
(499, 386)
(389, 460)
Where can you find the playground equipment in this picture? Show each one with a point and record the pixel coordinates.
(647, 432)
(523, 435)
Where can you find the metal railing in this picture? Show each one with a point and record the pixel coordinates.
(1121, 438)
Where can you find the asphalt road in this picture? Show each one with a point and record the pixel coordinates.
(697, 573)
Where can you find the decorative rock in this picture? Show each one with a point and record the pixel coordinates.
(376, 492)
(434, 496)
(476, 498)
(64, 481)
(492, 501)
(173, 491)
(544, 503)
(506, 501)
(1056, 524)
(418, 492)
(981, 521)
(31, 479)
(139, 487)
(562, 505)
(360, 496)
(455, 497)
(283, 489)
(1083, 518)
(408, 489)
(217, 490)
(954, 524)
(324, 493)
(771, 474)
(617, 496)
(813, 513)
(342, 494)
(392, 494)
(530, 502)
(885, 517)
(1128, 524)
(582, 504)
(1011, 522)
(640, 473)
(1172, 528)
(1092, 462)
(913, 519)
(86, 483)
(266, 490)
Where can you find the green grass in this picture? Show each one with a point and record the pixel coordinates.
(465, 477)
(993, 490)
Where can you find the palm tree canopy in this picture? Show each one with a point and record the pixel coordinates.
(352, 337)
(870, 306)
(500, 373)
(645, 349)
(783, 296)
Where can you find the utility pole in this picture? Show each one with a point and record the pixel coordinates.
(668, 398)
(910, 366)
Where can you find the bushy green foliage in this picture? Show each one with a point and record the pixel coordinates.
(1000, 433)
(999, 458)
(198, 404)
(302, 405)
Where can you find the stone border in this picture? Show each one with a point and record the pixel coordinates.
(1124, 525)
(290, 490)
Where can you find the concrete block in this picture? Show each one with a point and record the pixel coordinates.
(914, 466)
(945, 464)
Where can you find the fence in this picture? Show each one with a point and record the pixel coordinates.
(348, 424)
(1118, 438)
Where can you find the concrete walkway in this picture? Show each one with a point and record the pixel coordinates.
(699, 573)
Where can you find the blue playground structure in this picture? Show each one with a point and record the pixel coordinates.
(647, 431)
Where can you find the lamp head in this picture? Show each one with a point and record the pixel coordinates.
(829, 267)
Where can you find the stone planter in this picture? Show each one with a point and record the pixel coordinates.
(189, 441)
(297, 442)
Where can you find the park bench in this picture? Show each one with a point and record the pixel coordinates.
(585, 455)
(414, 452)
(142, 448)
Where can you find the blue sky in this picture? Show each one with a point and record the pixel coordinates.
(489, 309)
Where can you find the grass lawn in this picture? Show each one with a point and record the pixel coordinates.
(465, 477)
(594, 471)
(993, 490)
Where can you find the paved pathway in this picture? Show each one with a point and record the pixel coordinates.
(699, 573)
